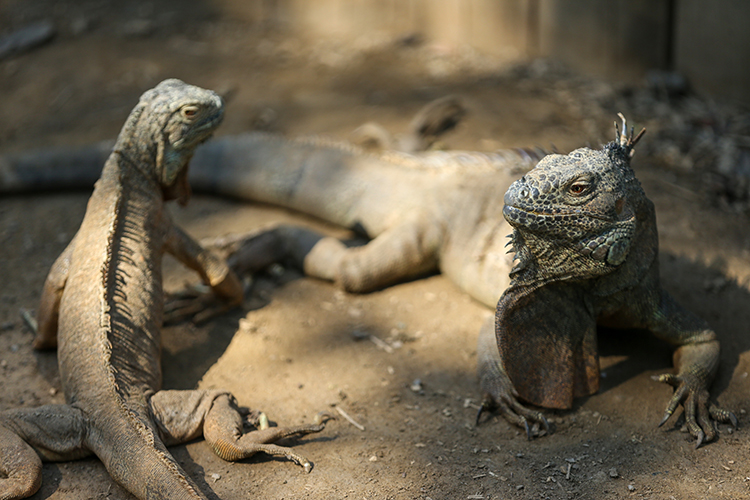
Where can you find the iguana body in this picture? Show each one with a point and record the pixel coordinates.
(102, 305)
(443, 211)
(586, 245)
(423, 211)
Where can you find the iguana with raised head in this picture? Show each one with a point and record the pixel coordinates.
(102, 305)
(424, 212)
(586, 246)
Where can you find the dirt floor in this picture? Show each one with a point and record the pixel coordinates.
(293, 349)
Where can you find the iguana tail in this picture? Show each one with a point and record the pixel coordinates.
(53, 169)
(136, 458)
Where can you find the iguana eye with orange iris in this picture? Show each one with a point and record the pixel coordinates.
(190, 112)
(578, 188)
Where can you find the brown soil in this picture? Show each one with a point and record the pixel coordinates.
(293, 350)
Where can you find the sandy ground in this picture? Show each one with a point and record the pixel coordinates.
(293, 349)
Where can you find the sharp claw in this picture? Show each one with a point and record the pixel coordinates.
(322, 417)
(664, 419)
(699, 439)
(528, 429)
(479, 414)
(545, 424)
(733, 419)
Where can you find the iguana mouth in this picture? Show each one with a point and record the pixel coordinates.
(519, 213)
(197, 136)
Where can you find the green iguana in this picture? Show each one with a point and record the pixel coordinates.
(102, 305)
(435, 211)
(586, 246)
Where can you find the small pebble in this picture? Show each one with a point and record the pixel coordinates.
(631, 487)
(613, 473)
(359, 334)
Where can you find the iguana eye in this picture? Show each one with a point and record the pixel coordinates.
(578, 188)
(189, 111)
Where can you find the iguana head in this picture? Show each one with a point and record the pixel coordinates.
(574, 216)
(164, 129)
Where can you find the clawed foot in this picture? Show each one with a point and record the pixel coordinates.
(262, 439)
(517, 414)
(197, 303)
(700, 414)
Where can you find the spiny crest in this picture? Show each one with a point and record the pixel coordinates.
(624, 143)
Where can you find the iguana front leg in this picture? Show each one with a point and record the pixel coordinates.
(696, 362)
(213, 271)
(498, 391)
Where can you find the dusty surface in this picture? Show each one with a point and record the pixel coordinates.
(293, 350)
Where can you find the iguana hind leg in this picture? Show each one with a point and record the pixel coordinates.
(184, 415)
(400, 253)
(29, 435)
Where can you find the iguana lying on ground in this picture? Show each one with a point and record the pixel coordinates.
(586, 246)
(102, 306)
(443, 210)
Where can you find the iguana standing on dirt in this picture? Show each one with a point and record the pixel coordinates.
(586, 246)
(102, 306)
(444, 211)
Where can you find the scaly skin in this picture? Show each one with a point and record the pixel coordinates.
(585, 240)
(441, 211)
(102, 306)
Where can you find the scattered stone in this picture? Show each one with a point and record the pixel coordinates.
(358, 334)
(613, 473)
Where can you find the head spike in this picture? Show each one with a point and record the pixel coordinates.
(624, 140)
